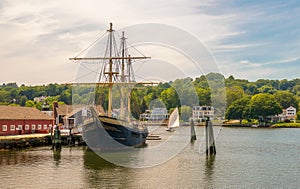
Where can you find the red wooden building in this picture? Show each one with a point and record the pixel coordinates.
(16, 120)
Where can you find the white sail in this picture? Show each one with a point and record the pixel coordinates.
(174, 119)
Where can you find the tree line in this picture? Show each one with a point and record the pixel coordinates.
(238, 98)
(12, 94)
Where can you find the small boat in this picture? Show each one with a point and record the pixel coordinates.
(173, 120)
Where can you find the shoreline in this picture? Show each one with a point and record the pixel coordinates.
(19, 142)
(270, 126)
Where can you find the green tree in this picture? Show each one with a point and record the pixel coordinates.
(204, 96)
(230, 81)
(286, 99)
(266, 89)
(29, 103)
(237, 110)
(185, 91)
(170, 98)
(28, 92)
(23, 100)
(296, 90)
(233, 93)
(215, 81)
(264, 105)
(51, 89)
(66, 96)
(11, 85)
(261, 82)
(186, 113)
(138, 104)
(251, 88)
(4, 96)
(161, 87)
(284, 85)
(201, 82)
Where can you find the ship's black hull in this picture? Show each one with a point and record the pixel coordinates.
(123, 134)
(109, 134)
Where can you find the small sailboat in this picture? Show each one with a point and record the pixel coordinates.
(173, 120)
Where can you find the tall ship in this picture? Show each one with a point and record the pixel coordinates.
(117, 127)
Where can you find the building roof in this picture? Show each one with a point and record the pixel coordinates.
(69, 110)
(291, 108)
(64, 109)
(18, 112)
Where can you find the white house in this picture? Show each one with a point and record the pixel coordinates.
(156, 114)
(289, 113)
(200, 113)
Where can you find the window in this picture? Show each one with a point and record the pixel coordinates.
(39, 126)
(12, 127)
(4, 127)
(20, 127)
(45, 126)
(33, 126)
(26, 127)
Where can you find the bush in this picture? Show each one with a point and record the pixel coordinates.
(245, 121)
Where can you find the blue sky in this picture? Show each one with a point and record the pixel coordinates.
(249, 39)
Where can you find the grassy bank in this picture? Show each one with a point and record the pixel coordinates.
(286, 125)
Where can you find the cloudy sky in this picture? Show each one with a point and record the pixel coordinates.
(249, 39)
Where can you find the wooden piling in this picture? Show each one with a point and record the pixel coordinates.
(193, 133)
(210, 140)
(56, 142)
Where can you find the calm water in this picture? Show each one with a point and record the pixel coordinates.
(246, 158)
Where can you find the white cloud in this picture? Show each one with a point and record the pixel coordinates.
(38, 36)
(247, 63)
(234, 47)
(282, 61)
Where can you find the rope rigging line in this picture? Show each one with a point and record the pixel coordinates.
(91, 44)
(131, 46)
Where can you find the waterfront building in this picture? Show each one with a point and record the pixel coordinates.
(16, 120)
(68, 116)
(200, 113)
(290, 113)
(156, 114)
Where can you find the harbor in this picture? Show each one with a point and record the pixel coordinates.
(149, 94)
(246, 158)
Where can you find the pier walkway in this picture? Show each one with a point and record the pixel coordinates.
(36, 139)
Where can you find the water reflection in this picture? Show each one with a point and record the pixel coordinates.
(57, 156)
(95, 162)
(209, 172)
(209, 169)
(99, 172)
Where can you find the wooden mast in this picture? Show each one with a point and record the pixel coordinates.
(110, 73)
(111, 57)
(128, 93)
(122, 76)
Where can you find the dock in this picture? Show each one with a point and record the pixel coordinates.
(12, 142)
(153, 137)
